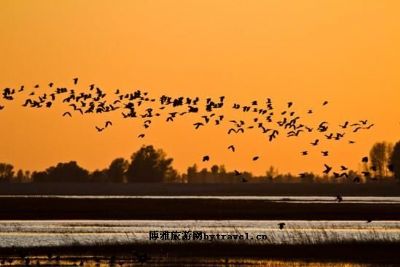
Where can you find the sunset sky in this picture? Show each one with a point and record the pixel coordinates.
(346, 52)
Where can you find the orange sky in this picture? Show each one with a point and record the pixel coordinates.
(305, 51)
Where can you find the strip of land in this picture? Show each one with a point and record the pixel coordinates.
(171, 189)
(32, 208)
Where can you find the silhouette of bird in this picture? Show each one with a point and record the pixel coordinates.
(315, 142)
(108, 123)
(325, 103)
(75, 81)
(309, 129)
(237, 173)
(369, 126)
(369, 220)
(141, 136)
(344, 126)
(364, 160)
(343, 168)
(99, 129)
(327, 169)
(198, 124)
(67, 114)
(232, 148)
(339, 198)
(206, 158)
(255, 158)
(325, 153)
(281, 225)
(304, 153)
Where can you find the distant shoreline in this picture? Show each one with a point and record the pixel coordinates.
(171, 189)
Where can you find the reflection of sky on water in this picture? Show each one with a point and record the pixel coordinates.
(291, 199)
(99, 261)
(91, 232)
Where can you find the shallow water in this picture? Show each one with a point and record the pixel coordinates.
(284, 199)
(91, 261)
(93, 232)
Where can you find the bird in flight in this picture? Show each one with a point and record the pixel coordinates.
(232, 148)
(315, 142)
(327, 169)
(206, 158)
(99, 129)
(344, 126)
(197, 125)
(94, 100)
(281, 225)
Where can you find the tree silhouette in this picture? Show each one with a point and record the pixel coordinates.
(99, 176)
(191, 173)
(395, 160)
(215, 170)
(150, 166)
(117, 170)
(6, 172)
(379, 155)
(63, 172)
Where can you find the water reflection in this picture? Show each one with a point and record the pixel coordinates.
(117, 232)
(91, 261)
(281, 199)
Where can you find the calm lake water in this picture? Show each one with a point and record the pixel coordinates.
(291, 199)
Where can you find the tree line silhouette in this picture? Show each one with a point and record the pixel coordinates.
(150, 165)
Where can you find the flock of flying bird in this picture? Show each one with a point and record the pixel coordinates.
(265, 118)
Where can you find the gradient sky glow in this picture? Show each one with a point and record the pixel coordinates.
(307, 51)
